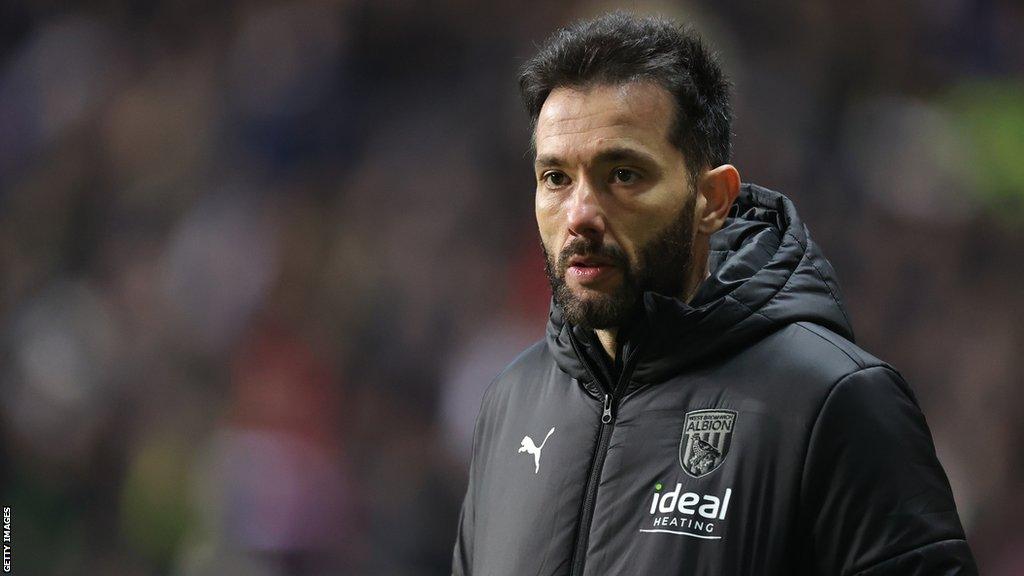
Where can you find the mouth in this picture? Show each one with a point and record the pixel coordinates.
(589, 262)
(589, 269)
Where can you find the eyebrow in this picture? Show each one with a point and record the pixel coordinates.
(617, 154)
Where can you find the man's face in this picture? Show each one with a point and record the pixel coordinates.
(614, 203)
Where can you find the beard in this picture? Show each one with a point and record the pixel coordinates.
(663, 266)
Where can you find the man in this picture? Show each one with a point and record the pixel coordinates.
(706, 408)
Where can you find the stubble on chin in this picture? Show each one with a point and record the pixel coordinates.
(663, 266)
(591, 309)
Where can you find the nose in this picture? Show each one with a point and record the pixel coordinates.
(585, 216)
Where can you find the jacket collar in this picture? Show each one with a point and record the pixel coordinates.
(765, 272)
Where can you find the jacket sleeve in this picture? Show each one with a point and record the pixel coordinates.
(874, 498)
(462, 556)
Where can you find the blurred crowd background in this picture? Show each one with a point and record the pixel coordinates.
(259, 259)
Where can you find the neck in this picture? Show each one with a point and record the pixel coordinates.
(607, 339)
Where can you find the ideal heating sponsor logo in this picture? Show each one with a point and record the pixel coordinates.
(687, 513)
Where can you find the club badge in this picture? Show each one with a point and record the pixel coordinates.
(707, 435)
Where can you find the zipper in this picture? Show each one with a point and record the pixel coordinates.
(604, 437)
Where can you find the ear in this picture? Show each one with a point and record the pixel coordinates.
(717, 189)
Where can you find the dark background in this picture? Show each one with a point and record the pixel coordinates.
(258, 260)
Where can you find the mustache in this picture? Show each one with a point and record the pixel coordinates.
(581, 246)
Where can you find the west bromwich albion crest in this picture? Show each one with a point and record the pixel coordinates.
(707, 435)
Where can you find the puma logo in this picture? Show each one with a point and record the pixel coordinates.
(531, 448)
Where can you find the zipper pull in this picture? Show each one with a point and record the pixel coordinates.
(606, 416)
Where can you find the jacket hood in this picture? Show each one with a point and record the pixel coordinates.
(765, 272)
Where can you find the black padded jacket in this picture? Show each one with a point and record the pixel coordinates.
(742, 433)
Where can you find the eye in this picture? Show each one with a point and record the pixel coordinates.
(555, 179)
(625, 176)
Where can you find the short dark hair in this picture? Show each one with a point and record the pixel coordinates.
(620, 48)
